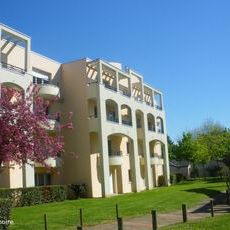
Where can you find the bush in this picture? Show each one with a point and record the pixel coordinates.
(34, 195)
(194, 173)
(173, 179)
(5, 210)
(214, 171)
(59, 193)
(75, 191)
(161, 180)
(179, 177)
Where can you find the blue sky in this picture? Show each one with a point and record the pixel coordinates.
(181, 47)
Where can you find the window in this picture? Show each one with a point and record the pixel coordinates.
(95, 111)
(158, 100)
(42, 179)
(138, 122)
(40, 76)
(128, 147)
(110, 147)
(130, 175)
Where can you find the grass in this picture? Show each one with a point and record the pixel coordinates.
(217, 223)
(65, 215)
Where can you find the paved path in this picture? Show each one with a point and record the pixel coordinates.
(144, 222)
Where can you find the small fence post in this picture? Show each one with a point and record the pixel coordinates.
(120, 223)
(117, 213)
(212, 208)
(154, 219)
(45, 222)
(184, 213)
(81, 221)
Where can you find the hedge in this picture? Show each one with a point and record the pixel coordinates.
(76, 191)
(5, 210)
(34, 195)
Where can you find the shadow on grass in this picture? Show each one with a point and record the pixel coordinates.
(219, 200)
(206, 191)
(203, 179)
(218, 197)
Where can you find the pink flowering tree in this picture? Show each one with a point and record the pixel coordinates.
(23, 127)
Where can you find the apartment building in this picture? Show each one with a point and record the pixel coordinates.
(119, 143)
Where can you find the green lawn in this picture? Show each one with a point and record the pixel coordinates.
(65, 215)
(217, 223)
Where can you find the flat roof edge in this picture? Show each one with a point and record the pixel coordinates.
(14, 30)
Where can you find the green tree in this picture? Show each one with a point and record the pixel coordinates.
(192, 149)
(171, 148)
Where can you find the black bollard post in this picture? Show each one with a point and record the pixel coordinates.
(184, 213)
(45, 222)
(81, 221)
(212, 208)
(119, 223)
(154, 219)
(117, 214)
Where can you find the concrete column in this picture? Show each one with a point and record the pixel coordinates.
(153, 103)
(1, 43)
(104, 158)
(166, 165)
(119, 113)
(142, 89)
(28, 175)
(135, 161)
(117, 81)
(115, 181)
(99, 72)
(135, 167)
(27, 56)
(148, 171)
(103, 142)
(130, 86)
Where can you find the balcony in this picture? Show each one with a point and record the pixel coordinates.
(52, 162)
(49, 91)
(127, 122)
(156, 160)
(142, 159)
(151, 128)
(158, 107)
(115, 158)
(12, 68)
(51, 126)
(113, 119)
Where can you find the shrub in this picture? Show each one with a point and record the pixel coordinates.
(173, 179)
(161, 180)
(76, 191)
(194, 173)
(5, 210)
(59, 192)
(214, 171)
(179, 177)
(34, 195)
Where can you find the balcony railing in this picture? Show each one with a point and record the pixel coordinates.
(125, 93)
(151, 128)
(115, 153)
(112, 118)
(12, 68)
(155, 155)
(40, 81)
(139, 124)
(148, 103)
(108, 86)
(92, 116)
(139, 99)
(161, 131)
(127, 122)
(158, 107)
